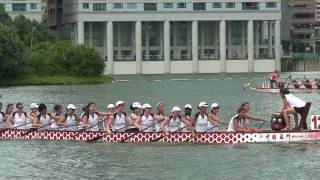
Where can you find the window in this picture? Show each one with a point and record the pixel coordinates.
(217, 5)
(181, 5)
(168, 5)
(230, 5)
(132, 5)
(33, 6)
(85, 6)
(99, 7)
(117, 5)
(150, 6)
(271, 4)
(19, 7)
(199, 6)
(250, 6)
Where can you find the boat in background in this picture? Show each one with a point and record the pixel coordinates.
(266, 88)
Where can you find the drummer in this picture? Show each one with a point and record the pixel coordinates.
(240, 122)
(159, 116)
(273, 79)
(291, 104)
(119, 121)
(214, 120)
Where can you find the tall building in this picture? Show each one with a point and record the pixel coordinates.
(31, 9)
(304, 21)
(176, 36)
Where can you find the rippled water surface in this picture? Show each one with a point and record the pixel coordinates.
(75, 160)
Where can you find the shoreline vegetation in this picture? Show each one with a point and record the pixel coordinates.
(32, 54)
(54, 80)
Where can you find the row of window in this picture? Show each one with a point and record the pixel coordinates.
(196, 6)
(18, 7)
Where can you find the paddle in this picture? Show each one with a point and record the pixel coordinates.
(157, 139)
(139, 132)
(85, 129)
(262, 124)
(203, 132)
(34, 129)
(16, 127)
(99, 137)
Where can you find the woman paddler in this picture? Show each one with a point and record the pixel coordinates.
(173, 122)
(240, 122)
(2, 118)
(135, 117)
(201, 118)
(186, 119)
(213, 119)
(44, 118)
(145, 123)
(18, 119)
(159, 116)
(57, 117)
(32, 116)
(91, 118)
(71, 119)
(8, 113)
(119, 121)
(110, 111)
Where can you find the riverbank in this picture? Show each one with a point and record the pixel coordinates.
(54, 80)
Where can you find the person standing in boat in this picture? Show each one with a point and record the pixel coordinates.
(291, 104)
(173, 122)
(70, 119)
(240, 122)
(44, 117)
(186, 119)
(200, 119)
(159, 116)
(32, 116)
(2, 118)
(213, 119)
(18, 119)
(135, 116)
(119, 121)
(57, 117)
(146, 121)
(273, 79)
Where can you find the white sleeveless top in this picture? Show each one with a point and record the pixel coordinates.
(71, 123)
(2, 123)
(147, 122)
(202, 123)
(184, 125)
(45, 120)
(29, 121)
(212, 127)
(119, 123)
(19, 120)
(93, 122)
(158, 125)
(54, 124)
(240, 124)
(174, 125)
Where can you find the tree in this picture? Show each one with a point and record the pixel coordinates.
(11, 49)
(5, 19)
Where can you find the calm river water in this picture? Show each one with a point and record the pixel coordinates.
(71, 160)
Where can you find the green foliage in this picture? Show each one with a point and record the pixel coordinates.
(5, 19)
(11, 59)
(64, 58)
(33, 32)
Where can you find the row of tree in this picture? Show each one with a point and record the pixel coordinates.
(29, 47)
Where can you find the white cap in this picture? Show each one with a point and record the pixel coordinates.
(188, 106)
(119, 103)
(71, 106)
(146, 105)
(214, 105)
(158, 104)
(110, 106)
(136, 105)
(175, 108)
(34, 105)
(203, 104)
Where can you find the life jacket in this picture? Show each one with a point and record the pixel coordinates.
(13, 114)
(39, 116)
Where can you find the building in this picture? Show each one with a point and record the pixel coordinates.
(31, 9)
(177, 36)
(55, 8)
(304, 21)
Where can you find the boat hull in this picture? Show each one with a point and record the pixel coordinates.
(270, 90)
(208, 138)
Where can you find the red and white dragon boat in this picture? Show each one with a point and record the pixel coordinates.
(266, 88)
(144, 137)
